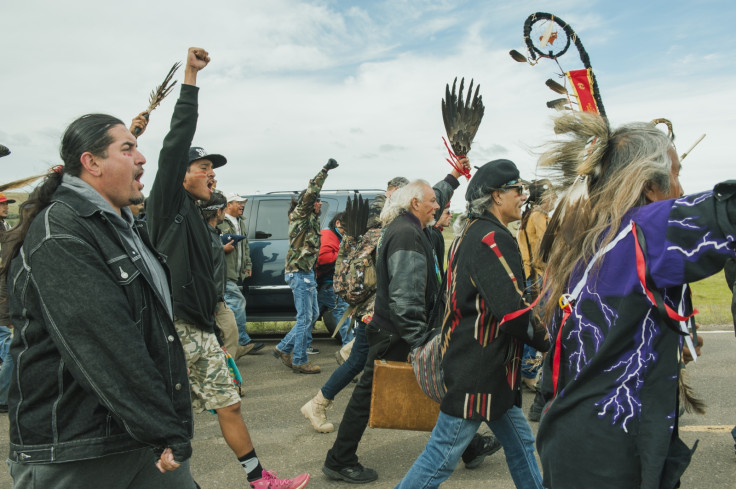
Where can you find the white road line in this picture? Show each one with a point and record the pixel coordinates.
(707, 429)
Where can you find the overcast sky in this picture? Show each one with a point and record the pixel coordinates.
(293, 83)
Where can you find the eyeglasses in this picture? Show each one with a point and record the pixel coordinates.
(520, 189)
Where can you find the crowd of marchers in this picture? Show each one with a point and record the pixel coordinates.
(125, 321)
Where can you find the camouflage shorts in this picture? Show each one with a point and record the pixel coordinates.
(209, 377)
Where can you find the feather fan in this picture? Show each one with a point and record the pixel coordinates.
(462, 117)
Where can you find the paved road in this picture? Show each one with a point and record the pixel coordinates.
(286, 442)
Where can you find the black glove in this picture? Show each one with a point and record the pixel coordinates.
(331, 163)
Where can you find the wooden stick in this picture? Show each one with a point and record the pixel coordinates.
(691, 147)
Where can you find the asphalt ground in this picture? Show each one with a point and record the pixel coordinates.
(286, 443)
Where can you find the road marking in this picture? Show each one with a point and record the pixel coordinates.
(714, 332)
(708, 429)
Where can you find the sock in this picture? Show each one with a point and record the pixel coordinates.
(251, 465)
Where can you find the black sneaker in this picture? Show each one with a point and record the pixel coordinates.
(535, 411)
(357, 474)
(479, 448)
(312, 350)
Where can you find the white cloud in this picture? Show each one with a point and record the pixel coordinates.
(292, 83)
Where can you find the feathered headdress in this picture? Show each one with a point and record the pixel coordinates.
(575, 166)
(462, 119)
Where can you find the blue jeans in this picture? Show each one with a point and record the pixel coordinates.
(334, 305)
(352, 366)
(451, 435)
(6, 370)
(236, 302)
(304, 288)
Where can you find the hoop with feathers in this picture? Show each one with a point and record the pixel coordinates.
(159, 94)
(583, 82)
(462, 119)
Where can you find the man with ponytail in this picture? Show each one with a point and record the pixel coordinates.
(100, 390)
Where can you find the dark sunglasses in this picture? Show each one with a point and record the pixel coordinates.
(520, 189)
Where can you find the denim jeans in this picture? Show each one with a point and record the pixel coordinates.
(6, 370)
(331, 303)
(129, 470)
(236, 302)
(451, 435)
(352, 366)
(382, 345)
(304, 288)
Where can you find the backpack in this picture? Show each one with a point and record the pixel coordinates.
(355, 268)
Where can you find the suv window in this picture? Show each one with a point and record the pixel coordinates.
(272, 221)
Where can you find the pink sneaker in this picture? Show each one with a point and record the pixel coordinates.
(269, 480)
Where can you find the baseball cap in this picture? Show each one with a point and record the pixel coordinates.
(198, 153)
(4, 199)
(397, 182)
(494, 175)
(234, 196)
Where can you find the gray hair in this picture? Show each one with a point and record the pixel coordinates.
(400, 201)
(475, 207)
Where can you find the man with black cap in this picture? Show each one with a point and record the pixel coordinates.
(177, 229)
(484, 329)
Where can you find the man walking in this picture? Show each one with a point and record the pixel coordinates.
(299, 273)
(407, 285)
(237, 258)
(6, 335)
(100, 388)
(186, 174)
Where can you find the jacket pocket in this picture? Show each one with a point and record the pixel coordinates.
(123, 268)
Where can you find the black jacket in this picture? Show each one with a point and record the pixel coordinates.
(176, 225)
(407, 279)
(99, 366)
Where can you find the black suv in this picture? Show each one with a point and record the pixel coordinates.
(268, 296)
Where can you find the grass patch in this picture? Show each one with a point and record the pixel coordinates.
(712, 298)
(272, 327)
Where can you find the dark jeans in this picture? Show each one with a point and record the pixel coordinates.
(352, 366)
(382, 345)
(129, 470)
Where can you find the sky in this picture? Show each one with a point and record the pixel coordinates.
(293, 83)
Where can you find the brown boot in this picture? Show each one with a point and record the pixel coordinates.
(243, 350)
(307, 368)
(284, 357)
(343, 353)
(314, 411)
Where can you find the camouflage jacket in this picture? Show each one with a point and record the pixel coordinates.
(304, 229)
(242, 248)
(374, 211)
(352, 249)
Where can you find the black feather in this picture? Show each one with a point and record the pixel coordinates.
(462, 117)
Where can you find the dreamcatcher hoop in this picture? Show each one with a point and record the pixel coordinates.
(545, 23)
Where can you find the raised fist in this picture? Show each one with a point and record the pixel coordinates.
(331, 163)
(197, 58)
